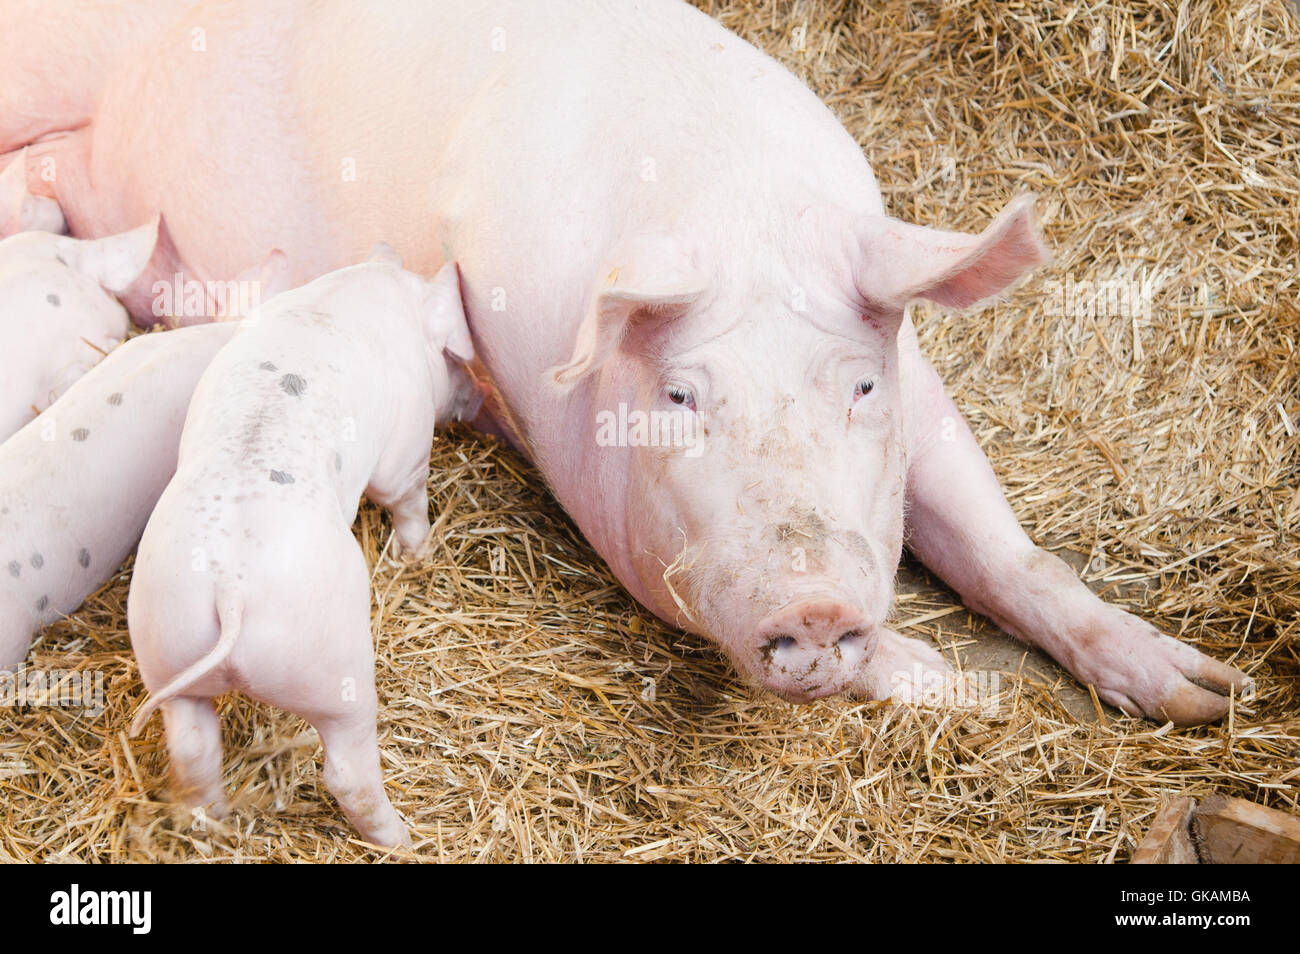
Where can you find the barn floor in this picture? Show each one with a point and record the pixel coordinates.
(531, 712)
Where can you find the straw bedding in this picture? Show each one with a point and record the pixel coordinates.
(530, 711)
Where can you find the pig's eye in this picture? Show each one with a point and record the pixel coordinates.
(680, 395)
(863, 389)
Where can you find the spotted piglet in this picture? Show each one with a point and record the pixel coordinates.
(248, 576)
(58, 317)
(77, 484)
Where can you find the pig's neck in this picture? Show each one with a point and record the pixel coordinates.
(592, 482)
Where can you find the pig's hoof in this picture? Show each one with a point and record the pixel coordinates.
(902, 669)
(392, 835)
(1143, 672)
(406, 553)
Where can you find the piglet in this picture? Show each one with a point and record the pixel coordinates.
(248, 576)
(20, 211)
(58, 317)
(77, 484)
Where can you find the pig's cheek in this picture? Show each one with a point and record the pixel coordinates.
(666, 564)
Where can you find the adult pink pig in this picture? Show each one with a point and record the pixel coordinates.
(648, 212)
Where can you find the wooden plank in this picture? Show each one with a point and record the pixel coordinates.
(1235, 831)
(1169, 842)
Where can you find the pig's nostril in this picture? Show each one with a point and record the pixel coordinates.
(780, 644)
(854, 639)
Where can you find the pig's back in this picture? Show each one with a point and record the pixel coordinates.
(534, 136)
(268, 417)
(515, 135)
(549, 129)
(294, 412)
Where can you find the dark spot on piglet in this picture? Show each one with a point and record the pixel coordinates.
(293, 384)
(280, 477)
(115, 398)
(268, 366)
(80, 434)
(53, 299)
(43, 602)
(15, 569)
(338, 461)
(83, 557)
(38, 561)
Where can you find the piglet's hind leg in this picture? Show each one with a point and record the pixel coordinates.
(194, 744)
(336, 694)
(353, 775)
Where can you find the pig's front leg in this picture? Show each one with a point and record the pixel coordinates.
(411, 526)
(961, 526)
(406, 498)
(901, 668)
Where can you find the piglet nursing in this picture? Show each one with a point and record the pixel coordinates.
(248, 576)
(77, 484)
(58, 316)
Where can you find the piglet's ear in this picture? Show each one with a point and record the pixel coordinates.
(650, 279)
(384, 254)
(446, 311)
(20, 211)
(900, 262)
(116, 261)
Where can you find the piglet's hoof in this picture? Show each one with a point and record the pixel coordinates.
(404, 554)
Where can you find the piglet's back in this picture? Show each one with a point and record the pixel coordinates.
(296, 397)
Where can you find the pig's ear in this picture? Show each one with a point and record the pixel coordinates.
(21, 211)
(648, 282)
(116, 261)
(384, 254)
(446, 314)
(900, 262)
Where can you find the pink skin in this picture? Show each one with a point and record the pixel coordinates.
(58, 317)
(632, 184)
(20, 209)
(248, 576)
(54, 58)
(78, 483)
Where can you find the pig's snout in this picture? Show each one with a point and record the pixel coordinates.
(813, 648)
